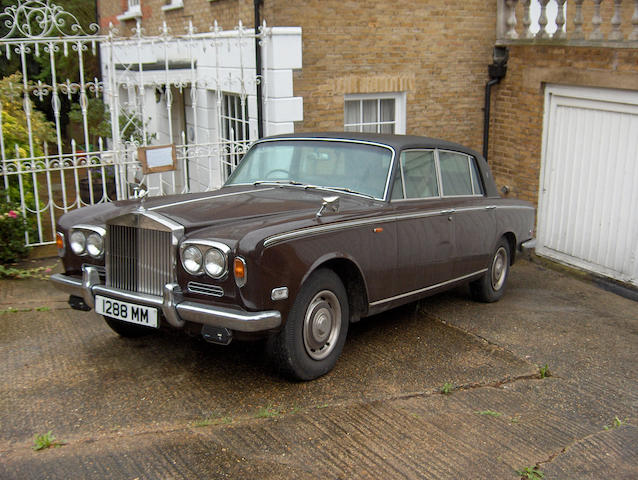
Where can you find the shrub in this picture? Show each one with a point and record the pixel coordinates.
(13, 227)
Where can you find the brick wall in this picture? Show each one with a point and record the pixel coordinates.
(435, 51)
(516, 129)
(201, 12)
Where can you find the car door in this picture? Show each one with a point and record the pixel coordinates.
(473, 214)
(425, 234)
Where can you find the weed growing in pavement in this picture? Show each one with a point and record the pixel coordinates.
(544, 371)
(41, 273)
(447, 388)
(46, 440)
(267, 412)
(23, 310)
(530, 473)
(490, 413)
(616, 423)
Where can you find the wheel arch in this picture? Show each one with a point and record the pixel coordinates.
(511, 241)
(350, 274)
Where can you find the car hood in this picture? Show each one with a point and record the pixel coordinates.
(232, 212)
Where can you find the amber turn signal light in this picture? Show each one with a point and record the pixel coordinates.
(239, 269)
(59, 242)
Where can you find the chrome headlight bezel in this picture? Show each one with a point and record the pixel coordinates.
(79, 244)
(215, 263)
(192, 259)
(208, 249)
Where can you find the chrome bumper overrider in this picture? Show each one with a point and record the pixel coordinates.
(175, 309)
(528, 245)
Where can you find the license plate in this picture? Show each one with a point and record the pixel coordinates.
(127, 312)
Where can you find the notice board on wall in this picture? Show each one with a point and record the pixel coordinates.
(157, 158)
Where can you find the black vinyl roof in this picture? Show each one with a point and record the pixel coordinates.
(398, 142)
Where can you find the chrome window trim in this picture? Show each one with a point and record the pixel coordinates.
(337, 140)
(423, 290)
(469, 160)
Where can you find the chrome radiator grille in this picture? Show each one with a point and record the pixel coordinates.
(139, 260)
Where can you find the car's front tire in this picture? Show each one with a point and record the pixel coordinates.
(126, 329)
(490, 287)
(312, 339)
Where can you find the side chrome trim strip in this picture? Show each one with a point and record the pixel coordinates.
(422, 290)
(314, 230)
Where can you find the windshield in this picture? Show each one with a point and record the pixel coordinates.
(352, 167)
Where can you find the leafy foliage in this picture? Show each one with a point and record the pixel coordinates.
(14, 120)
(12, 234)
(45, 440)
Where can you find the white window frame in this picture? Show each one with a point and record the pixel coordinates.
(399, 109)
(134, 10)
(173, 5)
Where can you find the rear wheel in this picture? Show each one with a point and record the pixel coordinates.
(490, 287)
(311, 341)
(126, 329)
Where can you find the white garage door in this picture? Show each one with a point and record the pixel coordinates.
(588, 201)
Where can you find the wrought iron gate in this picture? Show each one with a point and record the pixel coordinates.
(184, 90)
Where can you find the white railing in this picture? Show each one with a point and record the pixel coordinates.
(153, 90)
(612, 23)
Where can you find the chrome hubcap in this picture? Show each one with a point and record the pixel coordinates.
(499, 268)
(322, 324)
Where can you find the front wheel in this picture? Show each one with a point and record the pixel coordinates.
(311, 341)
(490, 287)
(126, 329)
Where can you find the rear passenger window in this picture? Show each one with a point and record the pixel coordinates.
(419, 174)
(456, 175)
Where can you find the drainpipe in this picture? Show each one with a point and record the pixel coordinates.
(258, 71)
(496, 71)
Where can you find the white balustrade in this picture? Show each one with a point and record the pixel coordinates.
(564, 21)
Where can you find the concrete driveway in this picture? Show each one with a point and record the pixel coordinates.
(172, 407)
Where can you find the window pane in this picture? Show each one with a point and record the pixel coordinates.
(370, 111)
(419, 172)
(352, 108)
(387, 110)
(375, 115)
(455, 174)
(388, 128)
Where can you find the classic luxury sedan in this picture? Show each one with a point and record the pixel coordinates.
(310, 233)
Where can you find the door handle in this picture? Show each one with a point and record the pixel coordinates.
(448, 212)
(490, 207)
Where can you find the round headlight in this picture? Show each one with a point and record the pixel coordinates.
(215, 263)
(192, 259)
(78, 242)
(95, 245)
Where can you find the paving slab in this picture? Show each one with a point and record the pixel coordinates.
(168, 406)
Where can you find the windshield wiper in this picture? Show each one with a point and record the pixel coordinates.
(278, 182)
(348, 190)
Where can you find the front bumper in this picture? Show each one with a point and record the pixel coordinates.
(176, 310)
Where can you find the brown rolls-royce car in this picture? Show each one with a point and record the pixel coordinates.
(310, 233)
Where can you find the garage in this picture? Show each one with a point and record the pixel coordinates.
(588, 198)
